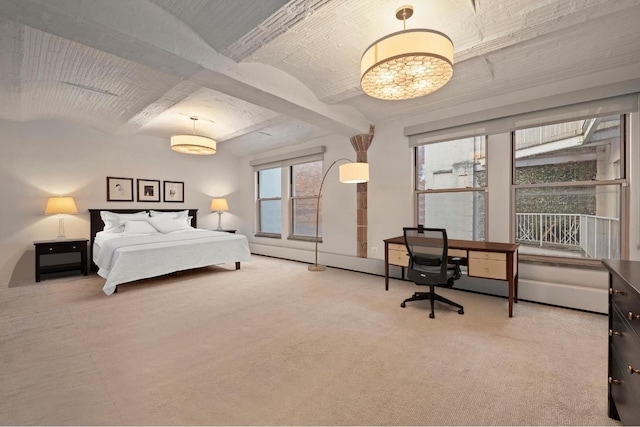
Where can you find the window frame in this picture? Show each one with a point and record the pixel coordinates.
(483, 189)
(259, 200)
(293, 198)
(282, 162)
(622, 183)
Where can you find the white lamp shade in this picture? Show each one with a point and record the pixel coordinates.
(61, 205)
(407, 64)
(219, 205)
(193, 144)
(354, 173)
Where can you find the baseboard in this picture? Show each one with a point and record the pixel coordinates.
(558, 294)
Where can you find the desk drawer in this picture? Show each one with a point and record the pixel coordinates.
(460, 253)
(490, 265)
(398, 255)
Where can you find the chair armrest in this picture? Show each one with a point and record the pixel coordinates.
(455, 266)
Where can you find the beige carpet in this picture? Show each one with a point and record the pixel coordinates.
(274, 344)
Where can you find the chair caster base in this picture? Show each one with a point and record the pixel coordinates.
(432, 316)
(461, 311)
(403, 305)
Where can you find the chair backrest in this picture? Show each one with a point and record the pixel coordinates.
(428, 252)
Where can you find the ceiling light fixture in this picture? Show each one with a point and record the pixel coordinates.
(193, 144)
(406, 64)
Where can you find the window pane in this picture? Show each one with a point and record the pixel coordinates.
(583, 150)
(304, 218)
(270, 216)
(451, 164)
(270, 184)
(581, 221)
(306, 179)
(462, 214)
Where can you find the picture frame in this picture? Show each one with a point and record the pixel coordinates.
(173, 191)
(148, 190)
(119, 189)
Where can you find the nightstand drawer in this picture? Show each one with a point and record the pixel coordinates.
(58, 248)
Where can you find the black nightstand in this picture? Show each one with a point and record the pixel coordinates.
(52, 256)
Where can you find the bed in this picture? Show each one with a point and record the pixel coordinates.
(136, 252)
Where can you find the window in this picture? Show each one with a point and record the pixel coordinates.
(269, 201)
(569, 182)
(450, 182)
(305, 183)
(286, 193)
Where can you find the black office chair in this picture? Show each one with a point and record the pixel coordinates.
(429, 264)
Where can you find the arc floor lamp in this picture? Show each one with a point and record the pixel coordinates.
(350, 173)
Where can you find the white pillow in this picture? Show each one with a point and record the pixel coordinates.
(114, 222)
(176, 214)
(138, 227)
(165, 224)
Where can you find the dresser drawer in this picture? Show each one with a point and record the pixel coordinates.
(622, 391)
(625, 341)
(627, 300)
(490, 265)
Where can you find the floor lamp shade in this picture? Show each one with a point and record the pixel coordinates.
(61, 206)
(354, 173)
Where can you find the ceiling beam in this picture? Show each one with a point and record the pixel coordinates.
(118, 27)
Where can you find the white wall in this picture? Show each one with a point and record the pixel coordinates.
(40, 159)
(391, 206)
(44, 158)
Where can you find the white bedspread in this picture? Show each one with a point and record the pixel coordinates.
(123, 259)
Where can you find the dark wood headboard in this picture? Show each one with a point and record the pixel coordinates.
(98, 225)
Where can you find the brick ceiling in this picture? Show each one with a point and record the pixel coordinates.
(267, 73)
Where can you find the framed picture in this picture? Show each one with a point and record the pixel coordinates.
(148, 190)
(174, 191)
(119, 189)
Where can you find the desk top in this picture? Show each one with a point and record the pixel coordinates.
(469, 245)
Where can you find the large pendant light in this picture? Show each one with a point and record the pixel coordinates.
(407, 64)
(193, 144)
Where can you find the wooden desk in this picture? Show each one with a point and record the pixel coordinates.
(487, 260)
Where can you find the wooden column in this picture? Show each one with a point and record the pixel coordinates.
(361, 144)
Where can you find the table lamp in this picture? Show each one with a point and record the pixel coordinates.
(219, 206)
(61, 205)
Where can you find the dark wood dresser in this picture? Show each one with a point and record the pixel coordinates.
(624, 340)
